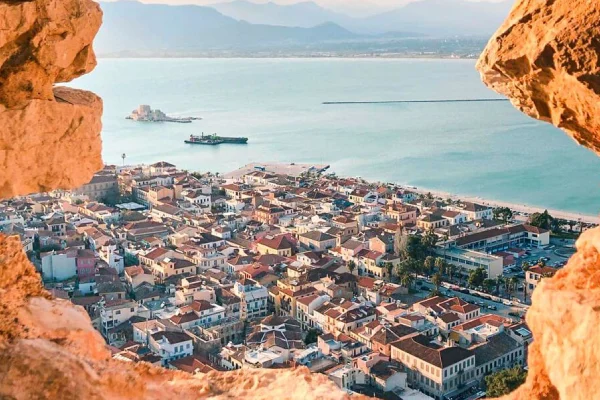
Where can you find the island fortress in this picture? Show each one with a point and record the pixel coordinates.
(146, 114)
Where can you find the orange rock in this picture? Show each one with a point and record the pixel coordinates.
(546, 59)
(49, 350)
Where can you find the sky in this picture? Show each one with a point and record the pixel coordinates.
(356, 8)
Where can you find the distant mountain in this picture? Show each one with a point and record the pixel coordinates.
(130, 27)
(426, 17)
(305, 14)
(438, 18)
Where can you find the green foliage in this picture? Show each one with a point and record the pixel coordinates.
(428, 241)
(129, 260)
(542, 220)
(476, 277)
(428, 264)
(389, 268)
(436, 279)
(351, 266)
(504, 214)
(489, 284)
(503, 382)
(311, 336)
(439, 263)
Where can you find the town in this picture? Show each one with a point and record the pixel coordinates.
(389, 292)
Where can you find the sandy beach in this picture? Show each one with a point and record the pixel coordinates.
(523, 208)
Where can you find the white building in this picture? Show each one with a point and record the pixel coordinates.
(253, 298)
(171, 345)
(59, 266)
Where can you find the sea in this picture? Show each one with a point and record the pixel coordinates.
(486, 149)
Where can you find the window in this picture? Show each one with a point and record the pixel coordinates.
(118, 312)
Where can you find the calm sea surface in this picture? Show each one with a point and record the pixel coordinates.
(483, 149)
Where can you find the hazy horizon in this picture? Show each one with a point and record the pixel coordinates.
(354, 8)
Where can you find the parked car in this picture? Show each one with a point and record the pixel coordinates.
(492, 307)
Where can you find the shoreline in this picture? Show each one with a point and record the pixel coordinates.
(285, 167)
(523, 208)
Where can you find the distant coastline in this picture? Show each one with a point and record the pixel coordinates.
(290, 56)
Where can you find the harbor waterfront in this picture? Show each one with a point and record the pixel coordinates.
(477, 149)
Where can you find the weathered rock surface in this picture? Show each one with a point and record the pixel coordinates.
(546, 59)
(41, 127)
(49, 350)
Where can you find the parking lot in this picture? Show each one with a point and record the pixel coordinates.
(488, 306)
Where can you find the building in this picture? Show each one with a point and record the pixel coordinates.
(470, 260)
(59, 265)
(534, 275)
(170, 345)
(502, 239)
(317, 241)
(114, 313)
(436, 370)
(279, 245)
(253, 297)
(99, 187)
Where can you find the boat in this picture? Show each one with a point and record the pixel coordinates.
(213, 140)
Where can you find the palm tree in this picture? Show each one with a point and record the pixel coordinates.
(499, 283)
(428, 264)
(514, 282)
(450, 268)
(436, 279)
(439, 264)
(406, 280)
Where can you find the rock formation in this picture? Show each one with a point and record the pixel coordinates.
(42, 127)
(49, 350)
(546, 59)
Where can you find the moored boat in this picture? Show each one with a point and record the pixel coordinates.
(212, 140)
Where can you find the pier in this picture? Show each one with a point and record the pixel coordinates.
(415, 101)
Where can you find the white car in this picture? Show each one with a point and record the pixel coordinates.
(507, 302)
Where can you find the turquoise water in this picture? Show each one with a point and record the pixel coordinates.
(484, 149)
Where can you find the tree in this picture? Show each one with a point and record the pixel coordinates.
(414, 248)
(428, 241)
(504, 214)
(499, 282)
(504, 382)
(514, 282)
(476, 277)
(436, 279)
(130, 260)
(489, 284)
(406, 280)
(439, 264)
(541, 220)
(450, 269)
(351, 266)
(525, 266)
(389, 267)
(428, 265)
(311, 336)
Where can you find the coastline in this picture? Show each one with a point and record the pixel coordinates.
(523, 208)
(295, 168)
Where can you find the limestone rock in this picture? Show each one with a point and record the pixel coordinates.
(42, 128)
(49, 350)
(546, 59)
(43, 42)
(46, 145)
